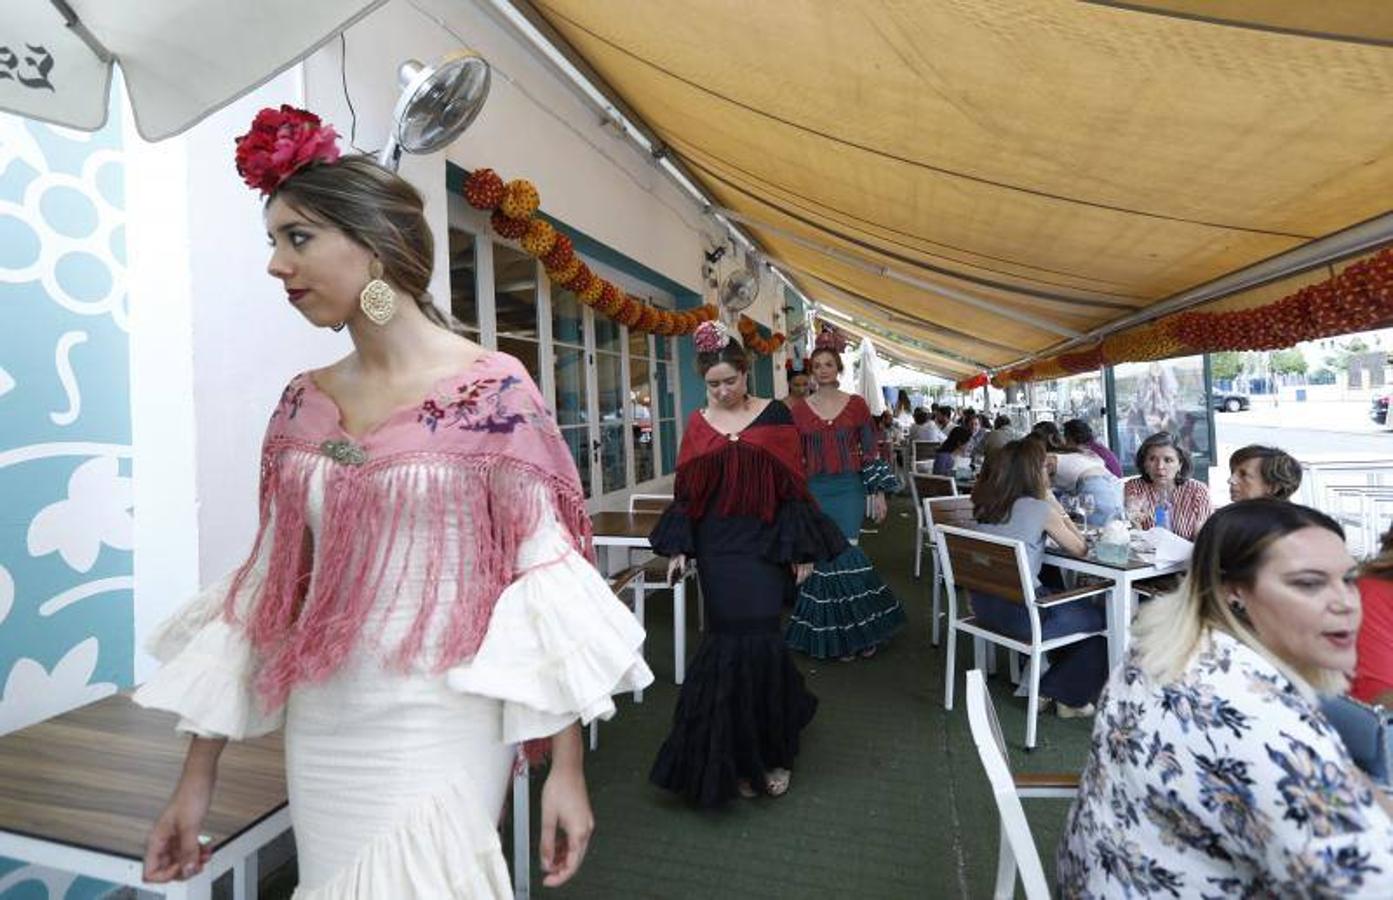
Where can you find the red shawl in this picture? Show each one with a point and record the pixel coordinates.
(479, 459)
(763, 460)
(844, 444)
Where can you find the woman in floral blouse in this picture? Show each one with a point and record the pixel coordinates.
(1213, 772)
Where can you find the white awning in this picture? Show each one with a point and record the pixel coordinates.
(181, 59)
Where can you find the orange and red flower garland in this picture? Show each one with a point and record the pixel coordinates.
(750, 337)
(1357, 299)
(514, 206)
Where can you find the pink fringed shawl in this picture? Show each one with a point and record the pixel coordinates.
(481, 455)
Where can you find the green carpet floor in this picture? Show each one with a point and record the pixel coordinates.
(888, 799)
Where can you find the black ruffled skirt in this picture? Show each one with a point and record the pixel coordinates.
(744, 703)
(740, 714)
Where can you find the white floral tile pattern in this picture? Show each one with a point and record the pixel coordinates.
(66, 521)
(95, 513)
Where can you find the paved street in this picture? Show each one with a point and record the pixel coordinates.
(1308, 430)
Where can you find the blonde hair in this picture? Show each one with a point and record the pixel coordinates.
(1230, 550)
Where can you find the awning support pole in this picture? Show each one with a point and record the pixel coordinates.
(75, 25)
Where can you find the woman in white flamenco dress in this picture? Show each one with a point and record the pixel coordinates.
(418, 605)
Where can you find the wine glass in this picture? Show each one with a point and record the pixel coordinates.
(1073, 509)
(1089, 504)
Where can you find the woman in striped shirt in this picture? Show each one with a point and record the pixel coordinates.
(1165, 477)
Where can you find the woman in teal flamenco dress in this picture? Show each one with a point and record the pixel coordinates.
(844, 610)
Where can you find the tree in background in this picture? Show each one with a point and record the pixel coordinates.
(1225, 365)
(1288, 362)
(1340, 359)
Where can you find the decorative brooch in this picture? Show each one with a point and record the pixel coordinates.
(345, 453)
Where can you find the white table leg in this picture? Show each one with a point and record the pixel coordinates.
(679, 630)
(522, 838)
(245, 876)
(1119, 618)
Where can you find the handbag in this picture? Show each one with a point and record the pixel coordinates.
(1367, 732)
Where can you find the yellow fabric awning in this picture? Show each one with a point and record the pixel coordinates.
(997, 178)
(1346, 20)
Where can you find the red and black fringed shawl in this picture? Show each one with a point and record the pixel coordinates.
(844, 444)
(761, 467)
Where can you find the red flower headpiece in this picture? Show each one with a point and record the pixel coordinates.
(282, 142)
(829, 339)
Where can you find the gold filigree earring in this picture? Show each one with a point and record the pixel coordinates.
(378, 301)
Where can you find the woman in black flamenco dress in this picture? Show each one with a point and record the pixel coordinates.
(742, 510)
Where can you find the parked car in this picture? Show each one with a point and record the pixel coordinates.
(1229, 401)
(1378, 409)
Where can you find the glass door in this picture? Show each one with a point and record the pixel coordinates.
(641, 419)
(515, 307)
(611, 397)
(665, 383)
(573, 382)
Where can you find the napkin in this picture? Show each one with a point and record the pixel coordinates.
(1169, 546)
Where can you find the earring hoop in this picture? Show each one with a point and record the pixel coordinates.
(378, 301)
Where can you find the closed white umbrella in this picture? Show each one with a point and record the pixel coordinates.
(181, 59)
(867, 380)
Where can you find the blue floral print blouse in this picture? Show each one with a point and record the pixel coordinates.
(1227, 783)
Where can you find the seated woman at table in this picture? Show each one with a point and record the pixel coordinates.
(1164, 482)
(1077, 433)
(1079, 474)
(1257, 471)
(1373, 676)
(742, 509)
(1213, 771)
(953, 453)
(1012, 499)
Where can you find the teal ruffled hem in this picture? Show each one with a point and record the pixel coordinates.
(879, 478)
(843, 609)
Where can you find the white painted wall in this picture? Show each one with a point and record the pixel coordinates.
(213, 341)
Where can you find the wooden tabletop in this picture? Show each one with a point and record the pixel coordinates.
(624, 524)
(99, 776)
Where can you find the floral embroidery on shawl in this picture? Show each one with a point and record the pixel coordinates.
(291, 399)
(482, 405)
(449, 505)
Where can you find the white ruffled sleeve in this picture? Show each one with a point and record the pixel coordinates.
(559, 644)
(208, 668)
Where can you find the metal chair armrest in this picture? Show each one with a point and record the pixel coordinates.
(1076, 594)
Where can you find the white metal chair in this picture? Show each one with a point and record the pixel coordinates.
(1017, 851)
(924, 487)
(649, 502)
(998, 566)
(944, 510)
(653, 576)
(630, 579)
(924, 451)
(522, 835)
